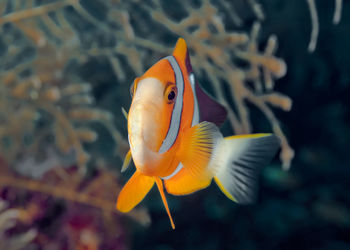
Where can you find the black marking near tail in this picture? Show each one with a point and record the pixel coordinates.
(209, 109)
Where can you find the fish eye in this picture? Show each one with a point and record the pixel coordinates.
(170, 93)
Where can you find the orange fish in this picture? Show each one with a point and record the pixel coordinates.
(175, 142)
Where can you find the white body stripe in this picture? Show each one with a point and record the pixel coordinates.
(178, 168)
(195, 118)
(177, 111)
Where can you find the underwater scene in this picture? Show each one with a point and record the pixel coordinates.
(199, 124)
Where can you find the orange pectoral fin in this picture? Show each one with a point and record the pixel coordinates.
(197, 148)
(134, 191)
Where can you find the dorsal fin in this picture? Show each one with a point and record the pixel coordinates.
(209, 109)
(181, 53)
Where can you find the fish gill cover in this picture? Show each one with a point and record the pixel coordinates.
(65, 71)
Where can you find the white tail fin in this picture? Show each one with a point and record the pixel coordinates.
(240, 161)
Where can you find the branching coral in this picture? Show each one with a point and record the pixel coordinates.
(38, 89)
(315, 23)
(47, 107)
(8, 219)
(68, 185)
(82, 215)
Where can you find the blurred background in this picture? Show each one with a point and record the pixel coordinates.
(65, 72)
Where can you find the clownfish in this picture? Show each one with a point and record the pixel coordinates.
(175, 142)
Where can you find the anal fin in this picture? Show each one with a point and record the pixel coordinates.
(183, 183)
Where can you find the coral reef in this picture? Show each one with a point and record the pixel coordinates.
(65, 70)
(82, 215)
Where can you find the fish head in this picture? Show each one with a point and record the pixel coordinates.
(154, 95)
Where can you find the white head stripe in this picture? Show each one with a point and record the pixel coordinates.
(195, 121)
(177, 110)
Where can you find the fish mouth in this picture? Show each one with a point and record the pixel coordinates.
(143, 128)
(144, 124)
